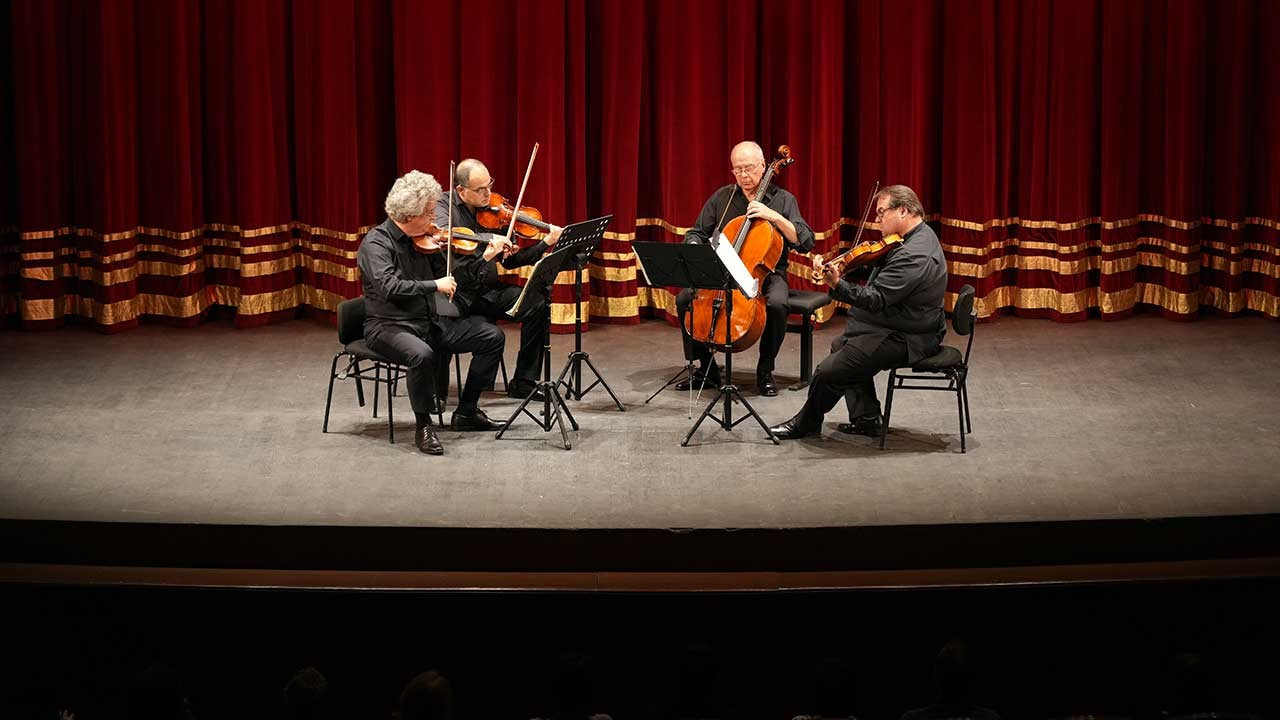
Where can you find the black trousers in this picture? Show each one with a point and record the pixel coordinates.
(421, 346)
(775, 325)
(849, 372)
(533, 324)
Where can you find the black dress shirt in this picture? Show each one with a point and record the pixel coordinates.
(709, 222)
(904, 295)
(399, 282)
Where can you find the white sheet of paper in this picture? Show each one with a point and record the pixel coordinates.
(739, 272)
(642, 270)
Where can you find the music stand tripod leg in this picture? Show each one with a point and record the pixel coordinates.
(571, 376)
(552, 402)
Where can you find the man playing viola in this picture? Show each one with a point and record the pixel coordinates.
(895, 319)
(481, 293)
(410, 319)
(778, 207)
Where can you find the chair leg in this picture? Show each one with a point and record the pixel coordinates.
(333, 375)
(377, 384)
(806, 353)
(964, 390)
(457, 371)
(391, 418)
(888, 406)
(502, 363)
(355, 365)
(960, 411)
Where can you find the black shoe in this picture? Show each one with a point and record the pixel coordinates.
(869, 425)
(793, 429)
(522, 389)
(764, 383)
(427, 441)
(475, 421)
(701, 378)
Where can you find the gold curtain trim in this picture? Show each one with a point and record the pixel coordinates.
(834, 228)
(196, 232)
(562, 313)
(612, 307)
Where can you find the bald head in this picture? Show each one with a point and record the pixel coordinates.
(745, 153)
(462, 174)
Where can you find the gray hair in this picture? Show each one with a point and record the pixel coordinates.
(901, 196)
(411, 195)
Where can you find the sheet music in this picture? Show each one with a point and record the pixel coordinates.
(729, 258)
(525, 290)
(642, 270)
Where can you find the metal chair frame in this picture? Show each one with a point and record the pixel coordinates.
(952, 379)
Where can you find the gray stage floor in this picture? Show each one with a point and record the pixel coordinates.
(1141, 418)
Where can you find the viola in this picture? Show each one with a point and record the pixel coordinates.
(500, 214)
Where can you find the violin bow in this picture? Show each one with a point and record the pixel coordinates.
(520, 198)
(448, 237)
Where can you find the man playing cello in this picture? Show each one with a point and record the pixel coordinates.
(779, 208)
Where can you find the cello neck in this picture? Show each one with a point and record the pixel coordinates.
(760, 191)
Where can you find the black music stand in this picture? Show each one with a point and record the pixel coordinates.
(696, 266)
(573, 366)
(572, 240)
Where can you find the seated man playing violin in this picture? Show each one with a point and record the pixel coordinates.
(481, 292)
(410, 319)
(895, 319)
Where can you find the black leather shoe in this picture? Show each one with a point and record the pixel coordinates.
(869, 425)
(522, 389)
(793, 429)
(701, 379)
(764, 383)
(427, 441)
(475, 421)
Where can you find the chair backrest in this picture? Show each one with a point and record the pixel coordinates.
(962, 315)
(351, 320)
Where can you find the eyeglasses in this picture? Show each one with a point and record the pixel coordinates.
(745, 170)
(881, 211)
(486, 188)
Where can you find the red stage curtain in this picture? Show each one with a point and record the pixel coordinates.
(163, 157)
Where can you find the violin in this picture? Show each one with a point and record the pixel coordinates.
(861, 254)
(857, 256)
(463, 241)
(500, 213)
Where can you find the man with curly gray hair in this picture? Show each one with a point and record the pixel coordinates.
(410, 317)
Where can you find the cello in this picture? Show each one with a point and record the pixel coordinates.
(760, 245)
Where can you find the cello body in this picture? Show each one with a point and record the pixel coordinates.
(760, 251)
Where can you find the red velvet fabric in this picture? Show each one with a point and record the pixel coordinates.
(162, 157)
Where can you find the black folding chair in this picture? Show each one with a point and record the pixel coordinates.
(946, 370)
(379, 369)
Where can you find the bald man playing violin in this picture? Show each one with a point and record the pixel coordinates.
(895, 319)
(481, 293)
(778, 207)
